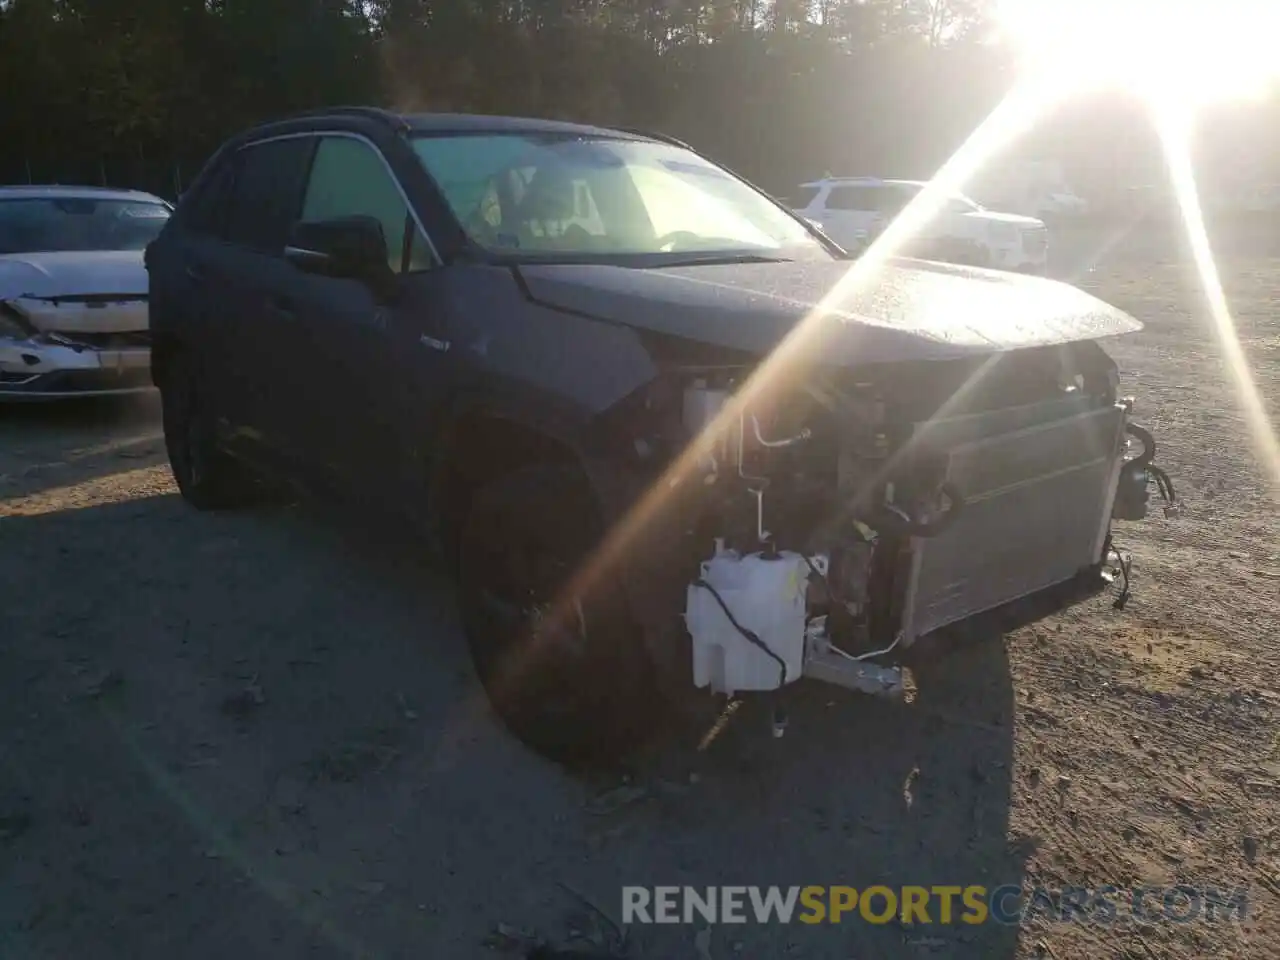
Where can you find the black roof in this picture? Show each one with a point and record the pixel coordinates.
(481, 123)
(362, 118)
(65, 190)
(430, 123)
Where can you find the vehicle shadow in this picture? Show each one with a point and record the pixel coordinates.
(264, 725)
(48, 445)
(858, 792)
(80, 411)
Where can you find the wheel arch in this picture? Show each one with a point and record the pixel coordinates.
(481, 443)
(478, 444)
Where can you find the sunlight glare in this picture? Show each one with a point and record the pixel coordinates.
(1178, 54)
(1188, 51)
(1174, 130)
(788, 361)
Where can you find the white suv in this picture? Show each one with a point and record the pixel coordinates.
(853, 210)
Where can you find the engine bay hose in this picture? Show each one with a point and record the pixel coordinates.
(1148, 445)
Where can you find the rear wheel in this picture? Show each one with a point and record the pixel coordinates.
(206, 476)
(562, 662)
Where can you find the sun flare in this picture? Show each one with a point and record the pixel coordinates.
(1180, 56)
(1185, 52)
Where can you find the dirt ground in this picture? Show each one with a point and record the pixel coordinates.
(258, 735)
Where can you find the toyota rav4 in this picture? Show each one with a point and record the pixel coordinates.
(626, 393)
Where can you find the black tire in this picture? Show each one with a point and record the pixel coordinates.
(569, 679)
(207, 477)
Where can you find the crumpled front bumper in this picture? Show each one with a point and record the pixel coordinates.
(74, 346)
(41, 368)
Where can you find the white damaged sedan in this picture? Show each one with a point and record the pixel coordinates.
(73, 291)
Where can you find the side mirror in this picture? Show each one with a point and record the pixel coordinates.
(350, 247)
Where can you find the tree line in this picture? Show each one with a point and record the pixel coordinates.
(139, 92)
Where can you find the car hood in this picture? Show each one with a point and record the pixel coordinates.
(911, 310)
(73, 273)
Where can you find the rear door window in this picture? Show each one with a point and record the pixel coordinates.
(268, 190)
(865, 199)
(893, 202)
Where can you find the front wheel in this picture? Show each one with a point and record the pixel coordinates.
(559, 654)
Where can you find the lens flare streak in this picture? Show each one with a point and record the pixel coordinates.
(1174, 125)
(1039, 89)
(1014, 114)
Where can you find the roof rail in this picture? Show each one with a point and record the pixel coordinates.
(370, 113)
(661, 137)
(85, 187)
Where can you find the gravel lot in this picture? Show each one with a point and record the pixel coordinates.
(257, 734)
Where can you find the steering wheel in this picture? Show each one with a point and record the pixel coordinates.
(669, 239)
(475, 223)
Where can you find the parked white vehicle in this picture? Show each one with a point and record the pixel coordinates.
(1037, 188)
(853, 211)
(1063, 203)
(73, 291)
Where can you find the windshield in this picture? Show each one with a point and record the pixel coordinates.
(575, 198)
(57, 224)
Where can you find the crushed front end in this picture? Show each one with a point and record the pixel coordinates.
(69, 346)
(828, 526)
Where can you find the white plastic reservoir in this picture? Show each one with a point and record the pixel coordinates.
(766, 596)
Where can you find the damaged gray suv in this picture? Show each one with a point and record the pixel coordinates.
(619, 387)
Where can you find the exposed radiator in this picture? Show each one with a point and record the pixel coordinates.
(1038, 500)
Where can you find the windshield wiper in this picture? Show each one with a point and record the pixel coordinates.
(641, 260)
(714, 259)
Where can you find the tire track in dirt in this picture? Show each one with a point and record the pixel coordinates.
(1158, 717)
